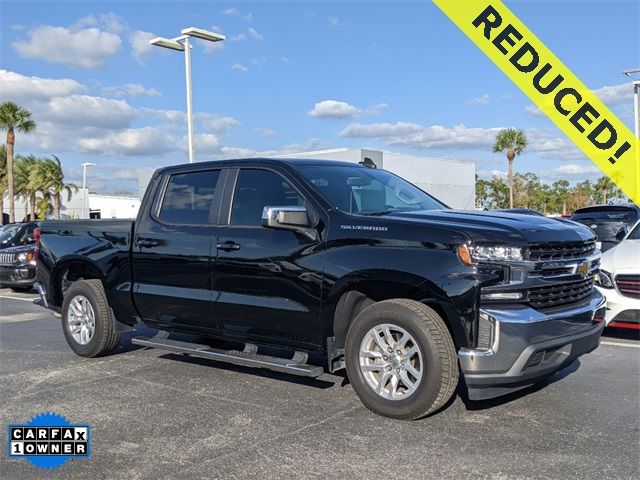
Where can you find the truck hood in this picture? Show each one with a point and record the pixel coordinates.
(500, 227)
(623, 257)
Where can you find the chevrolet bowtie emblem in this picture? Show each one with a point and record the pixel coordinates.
(583, 269)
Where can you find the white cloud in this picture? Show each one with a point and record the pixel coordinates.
(234, 12)
(17, 27)
(614, 94)
(17, 87)
(238, 67)
(132, 90)
(285, 60)
(534, 111)
(380, 130)
(131, 142)
(259, 61)
(547, 145)
(376, 110)
(575, 169)
(85, 48)
(255, 35)
(309, 145)
(140, 46)
(85, 110)
(240, 37)
(267, 132)
(215, 124)
(412, 135)
(335, 21)
(334, 109)
(483, 99)
(205, 144)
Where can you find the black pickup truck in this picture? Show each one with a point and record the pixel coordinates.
(334, 261)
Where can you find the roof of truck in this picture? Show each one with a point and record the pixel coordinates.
(262, 161)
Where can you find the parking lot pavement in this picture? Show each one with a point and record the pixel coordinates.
(159, 415)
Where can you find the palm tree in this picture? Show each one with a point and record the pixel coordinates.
(604, 185)
(3, 182)
(514, 142)
(26, 181)
(51, 178)
(13, 117)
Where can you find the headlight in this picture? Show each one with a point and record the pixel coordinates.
(470, 255)
(603, 279)
(24, 257)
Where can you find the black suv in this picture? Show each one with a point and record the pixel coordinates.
(17, 255)
(610, 222)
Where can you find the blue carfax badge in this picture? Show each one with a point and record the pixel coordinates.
(49, 440)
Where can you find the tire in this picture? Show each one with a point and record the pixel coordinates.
(429, 354)
(103, 338)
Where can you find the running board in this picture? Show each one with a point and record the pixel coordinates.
(247, 357)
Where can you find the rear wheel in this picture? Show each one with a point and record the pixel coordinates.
(87, 321)
(401, 359)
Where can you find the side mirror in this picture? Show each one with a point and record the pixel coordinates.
(622, 233)
(288, 218)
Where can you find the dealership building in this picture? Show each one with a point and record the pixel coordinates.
(450, 181)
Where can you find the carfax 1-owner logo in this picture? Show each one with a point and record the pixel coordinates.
(49, 440)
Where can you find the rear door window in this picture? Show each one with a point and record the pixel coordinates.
(189, 198)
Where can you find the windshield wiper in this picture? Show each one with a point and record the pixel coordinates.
(379, 214)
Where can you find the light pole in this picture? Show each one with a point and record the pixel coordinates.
(84, 185)
(183, 44)
(636, 98)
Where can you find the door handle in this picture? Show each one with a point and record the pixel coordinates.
(147, 242)
(228, 246)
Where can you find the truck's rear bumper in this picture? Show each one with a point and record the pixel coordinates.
(528, 345)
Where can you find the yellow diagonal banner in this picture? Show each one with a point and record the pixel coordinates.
(552, 87)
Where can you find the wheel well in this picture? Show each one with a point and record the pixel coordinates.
(70, 272)
(360, 296)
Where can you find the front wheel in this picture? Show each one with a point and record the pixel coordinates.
(87, 321)
(401, 359)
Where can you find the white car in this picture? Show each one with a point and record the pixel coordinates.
(619, 281)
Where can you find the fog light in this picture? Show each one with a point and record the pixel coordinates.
(502, 296)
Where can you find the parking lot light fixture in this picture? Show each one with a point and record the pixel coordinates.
(183, 44)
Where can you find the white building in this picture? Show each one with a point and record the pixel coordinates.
(94, 206)
(451, 181)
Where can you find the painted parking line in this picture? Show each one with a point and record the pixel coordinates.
(619, 344)
(17, 298)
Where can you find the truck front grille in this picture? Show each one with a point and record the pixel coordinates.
(629, 285)
(7, 258)
(561, 251)
(560, 293)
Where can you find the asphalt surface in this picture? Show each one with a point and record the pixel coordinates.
(159, 415)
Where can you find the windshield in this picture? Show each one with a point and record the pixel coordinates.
(8, 232)
(635, 233)
(367, 191)
(626, 215)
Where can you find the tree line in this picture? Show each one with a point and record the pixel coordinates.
(530, 192)
(38, 180)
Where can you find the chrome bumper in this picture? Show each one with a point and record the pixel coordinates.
(528, 345)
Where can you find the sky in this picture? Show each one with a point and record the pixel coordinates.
(294, 76)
